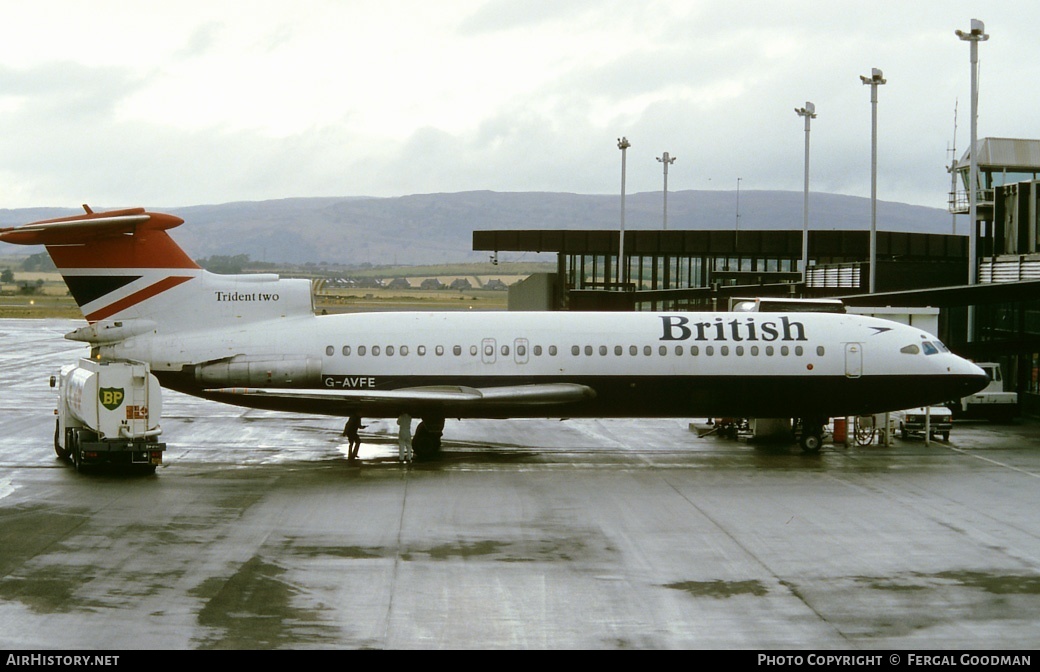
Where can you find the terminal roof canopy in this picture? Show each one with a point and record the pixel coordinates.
(1013, 156)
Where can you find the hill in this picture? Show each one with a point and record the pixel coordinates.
(437, 228)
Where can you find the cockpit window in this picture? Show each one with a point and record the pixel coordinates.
(910, 349)
(929, 349)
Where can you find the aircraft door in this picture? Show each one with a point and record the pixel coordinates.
(520, 350)
(487, 351)
(853, 360)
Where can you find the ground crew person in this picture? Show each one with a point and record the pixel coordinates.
(353, 440)
(404, 438)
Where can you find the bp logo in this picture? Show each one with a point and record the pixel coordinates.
(111, 397)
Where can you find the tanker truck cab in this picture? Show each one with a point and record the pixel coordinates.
(108, 413)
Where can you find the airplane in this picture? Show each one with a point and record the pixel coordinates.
(254, 340)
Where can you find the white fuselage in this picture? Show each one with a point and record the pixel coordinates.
(639, 364)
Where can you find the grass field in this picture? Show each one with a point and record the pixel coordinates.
(51, 298)
(38, 306)
(347, 301)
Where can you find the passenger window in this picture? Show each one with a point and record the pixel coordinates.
(798, 350)
(709, 350)
(633, 350)
(489, 350)
(505, 350)
(694, 350)
(439, 350)
(330, 351)
(537, 351)
(647, 351)
(602, 350)
(521, 351)
(754, 351)
(457, 350)
(346, 351)
(421, 350)
(724, 350)
(375, 350)
(819, 350)
(784, 350)
(618, 350)
(552, 350)
(910, 349)
(678, 349)
(389, 351)
(472, 351)
(404, 350)
(575, 350)
(588, 350)
(662, 350)
(769, 351)
(361, 351)
(740, 351)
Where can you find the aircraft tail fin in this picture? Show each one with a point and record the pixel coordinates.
(122, 265)
(111, 261)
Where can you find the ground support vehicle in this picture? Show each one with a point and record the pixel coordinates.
(937, 419)
(991, 403)
(108, 413)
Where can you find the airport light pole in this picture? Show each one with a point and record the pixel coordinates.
(623, 144)
(973, 37)
(809, 112)
(875, 80)
(666, 160)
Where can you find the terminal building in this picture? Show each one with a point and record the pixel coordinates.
(695, 270)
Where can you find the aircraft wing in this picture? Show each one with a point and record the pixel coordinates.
(446, 396)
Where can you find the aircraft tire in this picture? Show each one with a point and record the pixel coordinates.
(426, 443)
(811, 442)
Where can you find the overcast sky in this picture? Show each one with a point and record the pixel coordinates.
(164, 104)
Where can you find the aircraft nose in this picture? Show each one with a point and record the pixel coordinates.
(971, 377)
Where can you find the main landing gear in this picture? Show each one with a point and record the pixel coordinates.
(427, 440)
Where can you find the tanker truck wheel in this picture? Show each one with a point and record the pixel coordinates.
(73, 444)
(62, 453)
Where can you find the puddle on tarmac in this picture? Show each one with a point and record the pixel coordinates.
(719, 588)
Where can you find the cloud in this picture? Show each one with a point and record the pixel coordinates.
(501, 16)
(203, 102)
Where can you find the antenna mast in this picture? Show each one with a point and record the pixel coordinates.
(952, 169)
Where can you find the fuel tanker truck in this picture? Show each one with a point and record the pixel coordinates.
(108, 413)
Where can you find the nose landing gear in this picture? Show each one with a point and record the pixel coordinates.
(810, 436)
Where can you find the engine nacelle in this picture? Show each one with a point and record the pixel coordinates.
(243, 371)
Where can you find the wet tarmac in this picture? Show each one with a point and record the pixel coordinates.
(618, 534)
